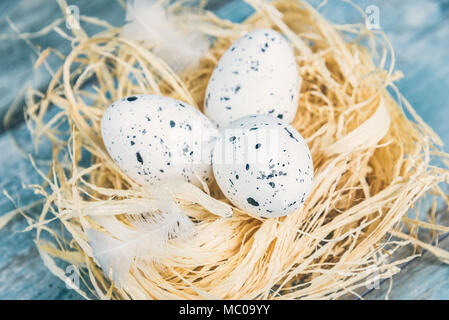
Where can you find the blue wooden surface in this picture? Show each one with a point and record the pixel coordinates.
(418, 29)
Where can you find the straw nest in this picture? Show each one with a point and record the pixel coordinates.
(372, 164)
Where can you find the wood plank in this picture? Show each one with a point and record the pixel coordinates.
(234, 10)
(418, 31)
(22, 273)
(419, 38)
(18, 58)
(425, 278)
(425, 81)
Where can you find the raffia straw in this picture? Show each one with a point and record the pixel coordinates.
(372, 164)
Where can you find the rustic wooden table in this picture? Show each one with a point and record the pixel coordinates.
(418, 29)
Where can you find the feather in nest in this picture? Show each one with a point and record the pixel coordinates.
(181, 45)
(117, 247)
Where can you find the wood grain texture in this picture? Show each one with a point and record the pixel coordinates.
(424, 278)
(22, 273)
(418, 29)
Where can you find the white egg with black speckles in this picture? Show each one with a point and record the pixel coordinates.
(263, 166)
(154, 138)
(256, 75)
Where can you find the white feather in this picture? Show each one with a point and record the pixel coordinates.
(179, 44)
(116, 251)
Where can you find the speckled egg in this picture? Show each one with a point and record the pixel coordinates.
(154, 138)
(263, 166)
(256, 75)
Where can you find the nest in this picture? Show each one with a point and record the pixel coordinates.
(371, 152)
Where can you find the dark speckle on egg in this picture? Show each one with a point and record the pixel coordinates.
(207, 100)
(130, 99)
(290, 134)
(254, 65)
(139, 158)
(172, 123)
(252, 202)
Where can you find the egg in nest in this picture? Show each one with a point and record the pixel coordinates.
(256, 75)
(154, 138)
(263, 166)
